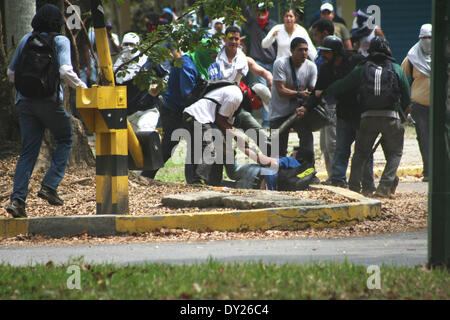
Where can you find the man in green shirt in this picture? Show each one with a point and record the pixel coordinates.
(384, 95)
(340, 30)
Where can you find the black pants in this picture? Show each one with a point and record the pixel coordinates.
(305, 136)
(170, 121)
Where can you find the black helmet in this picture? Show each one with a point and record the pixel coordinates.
(332, 43)
(379, 45)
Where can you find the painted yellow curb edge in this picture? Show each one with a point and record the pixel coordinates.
(289, 218)
(292, 218)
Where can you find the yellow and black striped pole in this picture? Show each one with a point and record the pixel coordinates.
(104, 111)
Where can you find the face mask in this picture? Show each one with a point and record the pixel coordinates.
(127, 52)
(262, 20)
(426, 45)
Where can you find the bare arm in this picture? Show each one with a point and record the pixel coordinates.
(348, 44)
(260, 71)
(287, 93)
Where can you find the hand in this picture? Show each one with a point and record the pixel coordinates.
(153, 90)
(301, 111)
(304, 94)
(319, 93)
(275, 34)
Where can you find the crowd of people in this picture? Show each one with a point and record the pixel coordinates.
(281, 70)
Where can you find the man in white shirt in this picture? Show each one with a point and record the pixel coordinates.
(231, 65)
(290, 90)
(216, 110)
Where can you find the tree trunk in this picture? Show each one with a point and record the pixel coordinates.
(18, 20)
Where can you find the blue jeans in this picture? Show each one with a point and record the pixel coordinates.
(259, 79)
(345, 136)
(34, 117)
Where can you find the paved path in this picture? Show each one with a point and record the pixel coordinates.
(405, 249)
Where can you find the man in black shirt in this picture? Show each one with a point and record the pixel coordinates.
(338, 64)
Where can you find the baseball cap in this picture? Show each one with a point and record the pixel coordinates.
(263, 93)
(425, 30)
(327, 6)
(130, 37)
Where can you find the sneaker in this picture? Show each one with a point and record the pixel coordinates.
(315, 180)
(341, 184)
(383, 192)
(50, 195)
(17, 209)
(367, 193)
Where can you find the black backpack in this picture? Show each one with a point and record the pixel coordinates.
(379, 88)
(292, 179)
(203, 86)
(36, 74)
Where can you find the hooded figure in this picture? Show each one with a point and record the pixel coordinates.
(420, 54)
(202, 60)
(37, 113)
(129, 42)
(48, 19)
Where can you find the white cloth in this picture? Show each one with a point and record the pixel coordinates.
(419, 59)
(132, 68)
(239, 65)
(364, 42)
(204, 110)
(144, 121)
(284, 40)
(70, 77)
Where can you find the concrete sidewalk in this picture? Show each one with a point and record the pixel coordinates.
(401, 249)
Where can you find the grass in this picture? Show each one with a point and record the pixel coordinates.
(215, 280)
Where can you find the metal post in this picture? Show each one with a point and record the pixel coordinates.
(439, 186)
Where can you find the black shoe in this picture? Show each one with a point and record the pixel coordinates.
(341, 184)
(50, 195)
(17, 209)
(315, 180)
(383, 192)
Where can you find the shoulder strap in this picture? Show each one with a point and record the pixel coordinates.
(294, 75)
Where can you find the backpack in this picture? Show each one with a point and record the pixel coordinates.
(203, 86)
(37, 71)
(379, 88)
(292, 179)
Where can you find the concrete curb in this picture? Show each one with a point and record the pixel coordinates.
(401, 172)
(288, 218)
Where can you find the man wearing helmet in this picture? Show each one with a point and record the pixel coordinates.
(384, 98)
(339, 63)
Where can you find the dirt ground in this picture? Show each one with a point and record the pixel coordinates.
(405, 211)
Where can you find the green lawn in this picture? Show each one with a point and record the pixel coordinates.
(215, 280)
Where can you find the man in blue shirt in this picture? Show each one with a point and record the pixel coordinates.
(182, 82)
(37, 114)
